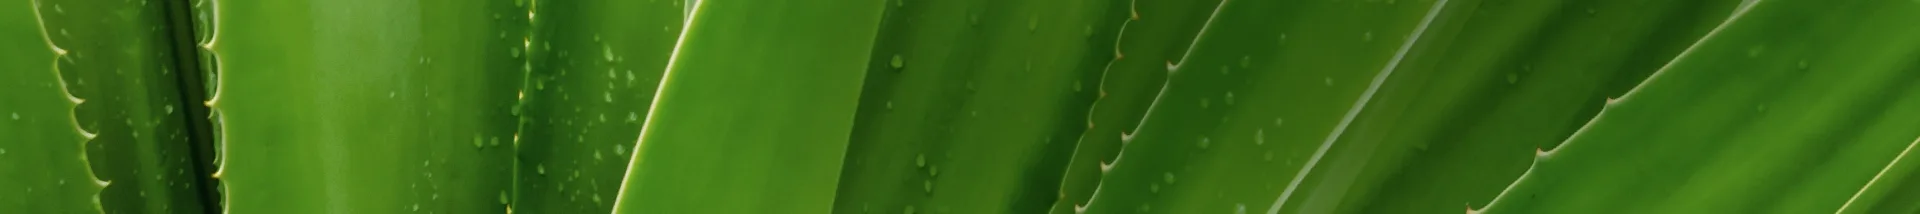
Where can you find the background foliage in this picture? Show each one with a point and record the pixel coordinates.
(959, 106)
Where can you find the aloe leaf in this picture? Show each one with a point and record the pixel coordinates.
(1895, 184)
(755, 108)
(598, 65)
(1155, 34)
(366, 106)
(972, 106)
(43, 162)
(1246, 107)
(120, 58)
(1496, 79)
(1789, 107)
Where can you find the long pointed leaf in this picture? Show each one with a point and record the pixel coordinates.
(755, 108)
(367, 106)
(1790, 107)
(597, 64)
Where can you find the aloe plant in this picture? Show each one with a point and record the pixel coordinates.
(958, 106)
(972, 106)
(1751, 119)
(140, 121)
(386, 107)
(1453, 125)
(594, 68)
(44, 157)
(1126, 86)
(1221, 107)
(750, 123)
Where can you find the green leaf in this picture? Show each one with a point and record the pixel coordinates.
(1492, 81)
(1155, 34)
(366, 106)
(43, 157)
(120, 58)
(1791, 106)
(1252, 99)
(595, 70)
(754, 110)
(971, 106)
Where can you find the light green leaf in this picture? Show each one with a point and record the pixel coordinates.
(366, 106)
(43, 162)
(755, 108)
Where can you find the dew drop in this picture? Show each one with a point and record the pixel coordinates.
(169, 109)
(1204, 142)
(16, 116)
(1076, 86)
(889, 104)
(1168, 176)
(608, 96)
(608, 51)
(1368, 36)
(1802, 64)
(1204, 103)
(1260, 137)
(542, 169)
(1154, 188)
(931, 170)
(495, 141)
(620, 149)
(920, 160)
(1239, 208)
(1755, 51)
(897, 62)
(1278, 121)
(503, 197)
(928, 185)
(477, 142)
(1268, 156)
(1246, 61)
(1329, 81)
(1513, 78)
(1229, 98)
